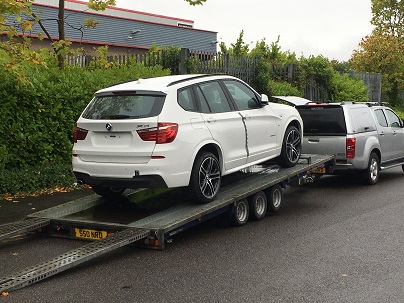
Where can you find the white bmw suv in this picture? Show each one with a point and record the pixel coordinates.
(180, 131)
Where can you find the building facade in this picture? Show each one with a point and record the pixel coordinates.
(123, 31)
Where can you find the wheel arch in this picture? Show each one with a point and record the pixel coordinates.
(377, 152)
(212, 147)
(296, 124)
(371, 145)
(292, 122)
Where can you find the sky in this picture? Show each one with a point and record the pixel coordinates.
(332, 28)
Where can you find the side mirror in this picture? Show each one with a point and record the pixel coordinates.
(264, 99)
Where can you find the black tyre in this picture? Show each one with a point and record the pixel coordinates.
(402, 166)
(371, 174)
(257, 206)
(108, 192)
(291, 147)
(240, 213)
(275, 197)
(205, 178)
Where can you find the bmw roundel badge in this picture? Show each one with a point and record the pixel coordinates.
(108, 126)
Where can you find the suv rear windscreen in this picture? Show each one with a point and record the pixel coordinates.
(322, 120)
(124, 106)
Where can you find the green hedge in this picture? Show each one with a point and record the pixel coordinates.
(38, 112)
(38, 115)
(34, 179)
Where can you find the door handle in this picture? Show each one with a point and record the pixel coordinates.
(211, 120)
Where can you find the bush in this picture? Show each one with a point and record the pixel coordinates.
(283, 89)
(345, 88)
(39, 114)
(34, 179)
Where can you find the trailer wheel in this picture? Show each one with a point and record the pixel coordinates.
(205, 178)
(275, 196)
(240, 213)
(257, 206)
(291, 147)
(108, 192)
(371, 174)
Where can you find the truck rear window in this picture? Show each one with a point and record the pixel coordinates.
(323, 120)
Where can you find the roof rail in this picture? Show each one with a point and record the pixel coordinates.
(190, 78)
(370, 104)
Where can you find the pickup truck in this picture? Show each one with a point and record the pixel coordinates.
(364, 137)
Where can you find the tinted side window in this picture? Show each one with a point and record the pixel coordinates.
(243, 96)
(202, 101)
(124, 107)
(214, 96)
(185, 99)
(381, 118)
(362, 119)
(394, 120)
(323, 120)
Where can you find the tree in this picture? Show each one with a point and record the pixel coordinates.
(238, 48)
(196, 2)
(388, 17)
(383, 50)
(382, 54)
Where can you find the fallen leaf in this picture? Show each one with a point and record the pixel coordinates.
(344, 275)
(33, 208)
(15, 254)
(4, 294)
(15, 201)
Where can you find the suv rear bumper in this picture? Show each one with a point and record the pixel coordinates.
(343, 166)
(151, 181)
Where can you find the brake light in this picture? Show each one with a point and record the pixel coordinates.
(350, 148)
(79, 133)
(163, 133)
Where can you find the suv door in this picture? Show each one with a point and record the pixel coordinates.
(225, 125)
(386, 138)
(397, 134)
(260, 122)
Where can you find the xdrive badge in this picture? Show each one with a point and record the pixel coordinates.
(108, 126)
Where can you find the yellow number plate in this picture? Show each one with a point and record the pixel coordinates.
(90, 234)
(320, 170)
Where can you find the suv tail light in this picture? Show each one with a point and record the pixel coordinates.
(350, 148)
(163, 133)
(79, 133)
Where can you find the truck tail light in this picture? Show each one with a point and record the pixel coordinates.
(350, 148)
(163, 133)
(79, 133)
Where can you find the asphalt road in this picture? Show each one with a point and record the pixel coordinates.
(333, 241)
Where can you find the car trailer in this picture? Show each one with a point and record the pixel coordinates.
(254, 191)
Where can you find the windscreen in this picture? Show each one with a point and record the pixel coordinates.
(323, 120)
(124, 107)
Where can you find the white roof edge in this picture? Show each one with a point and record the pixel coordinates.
(294, 100)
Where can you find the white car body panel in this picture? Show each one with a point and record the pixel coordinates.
(240, 137)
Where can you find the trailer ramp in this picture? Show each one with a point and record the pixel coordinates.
(21, 227)
(70, 259)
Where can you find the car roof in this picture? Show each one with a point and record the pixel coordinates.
(294, 100)
(158, 84)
